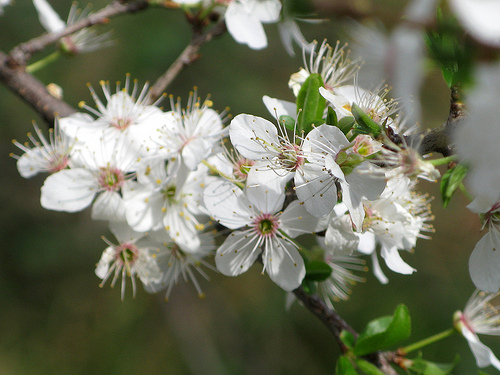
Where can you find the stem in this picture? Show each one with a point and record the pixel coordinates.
(441, 161)
(465, 191)
(42, 63)
(428, 340)
(216, 171)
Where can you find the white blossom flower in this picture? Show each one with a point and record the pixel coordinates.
(333, 64)
(50, 155)
(479, 317)
(191, 133)
(263, 229)
(480, 18)
(127, 259)
(484, 262)
(171, 200)
(82, 41)
(124, 114)
(244, 19)
(330, 161)
(177, 264)
(103, 171)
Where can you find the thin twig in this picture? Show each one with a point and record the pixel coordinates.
(188, 56)
(22, 53)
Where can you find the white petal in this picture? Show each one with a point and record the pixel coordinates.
(279, 107)
(245, 27)
(367, 243)
(316, 189)
(377, 270)
(249, 133)
(484, 262)
(266, 199)
(143, 207)
(340, 236)
(325, 139)
(103, 266)
(108, 206)
(227, 204)
(182, 228)
(284, 264)
(69, 190)
(394, 261)
(238, 252)
(123, 232)
(48, 17)
(265, 10)
(295, 220)
(484, 356)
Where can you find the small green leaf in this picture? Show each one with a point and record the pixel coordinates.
(365, 124)
(367, 367)
(346, 123)
(310, 103)
(347, 339)
(345, 367)
(385, 332)
(317, 270)
(451, 180)
(288, 121)
(331, 117)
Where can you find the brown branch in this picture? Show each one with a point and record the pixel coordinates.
(22, 53)
(188, 56)
(440, 138)
(32, 91)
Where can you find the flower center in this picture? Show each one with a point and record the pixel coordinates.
(169, 193)
(241, 168)
(290, 156)
(58, 162)
(111, 179)
(126, 253)
(121, 123)
(266, 225)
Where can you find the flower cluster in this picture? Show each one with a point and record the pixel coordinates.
(331, 171)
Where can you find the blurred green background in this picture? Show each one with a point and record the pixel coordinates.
(56, 320)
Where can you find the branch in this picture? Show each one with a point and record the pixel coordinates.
(32, 91)
(439, 139)
(187, 57)
(22, 53)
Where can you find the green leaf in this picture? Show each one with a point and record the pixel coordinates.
(288, 121)
(347, 339)
(367, 367)
(317, 270)
(310, 103)
(345, 367)
(451, 180)
(385, 332)
(346, 123)
(364, 123)
(423, 367)
(331, 117)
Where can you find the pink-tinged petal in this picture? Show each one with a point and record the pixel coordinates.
(284, 264)
(295, 220)
(316, 189)
(245, 27)
(394, 261)
(69, 190)
(227, 204)
(484, 262)
(238, 252)
(249, 134)
(108, 206)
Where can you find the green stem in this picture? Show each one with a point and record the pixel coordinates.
(42, 63)
(465, 191)
(441, 161)
(428, 340)
(216, 171)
